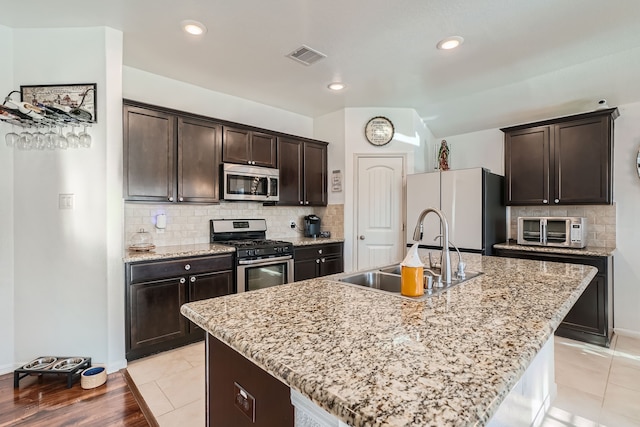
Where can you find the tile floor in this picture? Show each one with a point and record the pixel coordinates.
(597, 387)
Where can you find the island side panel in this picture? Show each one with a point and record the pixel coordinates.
(226, 370)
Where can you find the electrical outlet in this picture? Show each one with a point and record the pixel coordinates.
(244, 401)
(292, 224)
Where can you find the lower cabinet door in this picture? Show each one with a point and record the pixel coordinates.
(587, 314)
(211, 285)
(332, 265)
(306, 269)
(155, 312)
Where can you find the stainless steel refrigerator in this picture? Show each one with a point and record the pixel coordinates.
(472, 200)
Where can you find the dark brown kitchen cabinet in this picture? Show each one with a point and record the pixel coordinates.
(241, 394)
(149, 154)
(248, 147)
(303, 172)
(155, 290)
(591, 317)
(170, 157)
(318, 260)
(565, 161)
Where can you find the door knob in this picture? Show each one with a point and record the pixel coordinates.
(362, 237)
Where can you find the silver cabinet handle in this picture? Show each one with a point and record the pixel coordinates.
(182, 280)
(306, 203)
(171, 198)
(187, 267)
(181, 199)
(545, 201)
(193, 279)
(319, 251)
(362, 237)
(323, 259)
(301, 202)
(317, 261)
(557, 200)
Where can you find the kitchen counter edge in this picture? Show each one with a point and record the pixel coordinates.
(587, 251)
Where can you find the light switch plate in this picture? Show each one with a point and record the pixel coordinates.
(66, 201)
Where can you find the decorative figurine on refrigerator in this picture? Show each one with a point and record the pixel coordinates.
(443, 156)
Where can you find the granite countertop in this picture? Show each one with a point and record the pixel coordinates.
(200, 249)
(374, 359)
(178, 251)
(586, 251)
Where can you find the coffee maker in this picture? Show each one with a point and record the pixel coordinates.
(312, 226)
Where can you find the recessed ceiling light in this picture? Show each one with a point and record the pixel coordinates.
(336, 86)
(194, 28)
(450, 43)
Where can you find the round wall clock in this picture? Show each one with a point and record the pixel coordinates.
(379, 131)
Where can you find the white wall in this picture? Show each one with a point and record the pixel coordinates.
(64, 276)
(627, 197)
(330, 128)
(6, 213)
(477, 149)
(411, 138)
(153, 89)
(485, 148)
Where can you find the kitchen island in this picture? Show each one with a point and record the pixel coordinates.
(373, 359)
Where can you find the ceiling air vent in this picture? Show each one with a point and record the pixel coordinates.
(306, 55)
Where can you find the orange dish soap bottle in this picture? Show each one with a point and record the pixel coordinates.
(412, 274)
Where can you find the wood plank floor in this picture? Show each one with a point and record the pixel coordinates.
(46, 401)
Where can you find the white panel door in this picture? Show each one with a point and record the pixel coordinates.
(379, 211)
(461, 203)
(423, 191)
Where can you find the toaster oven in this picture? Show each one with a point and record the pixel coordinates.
(569, 232)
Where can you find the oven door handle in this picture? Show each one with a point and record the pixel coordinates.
(263, 261)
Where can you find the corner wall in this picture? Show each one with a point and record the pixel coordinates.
(7, 323)
(63, 258)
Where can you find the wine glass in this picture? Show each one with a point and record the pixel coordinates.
(61, 141)
(11, 138)
(73, 139)
(38, 140)
(85, 138)
(50, 139)
(25, 142)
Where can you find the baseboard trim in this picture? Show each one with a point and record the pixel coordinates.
(138, 396)
(627, 333)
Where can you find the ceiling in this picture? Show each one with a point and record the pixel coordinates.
(522, 60)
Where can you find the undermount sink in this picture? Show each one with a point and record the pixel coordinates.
(388, 279)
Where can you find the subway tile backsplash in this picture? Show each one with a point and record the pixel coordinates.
(601, 220)
(189, 224)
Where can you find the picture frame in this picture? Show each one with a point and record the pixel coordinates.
(76, 97)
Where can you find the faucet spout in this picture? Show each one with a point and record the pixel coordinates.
(445, 267)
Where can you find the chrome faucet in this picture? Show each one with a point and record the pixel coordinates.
(445, 263)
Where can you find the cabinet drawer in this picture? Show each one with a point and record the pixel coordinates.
(185, 266)
(315, 251)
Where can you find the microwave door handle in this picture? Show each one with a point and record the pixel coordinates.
(268, 187)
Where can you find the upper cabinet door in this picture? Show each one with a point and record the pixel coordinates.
(248, 148)
(582, 159)
(290, 164)
(315, 174)
(527, 166)
(198, 160)
(263, 150)
(149, 155)
(236, 146)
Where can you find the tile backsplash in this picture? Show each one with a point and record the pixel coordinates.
(189, 224)
(601, 220)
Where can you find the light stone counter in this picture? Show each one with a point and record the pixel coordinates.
(306, 241)
(178, 251)
(587, 251)
(373, 359)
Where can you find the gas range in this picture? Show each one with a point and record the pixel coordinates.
(248, 237)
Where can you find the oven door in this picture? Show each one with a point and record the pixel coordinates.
(264, 273)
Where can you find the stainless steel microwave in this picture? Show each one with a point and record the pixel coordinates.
(254, 183)
(570, 232)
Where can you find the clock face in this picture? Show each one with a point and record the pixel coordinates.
(379, 131)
